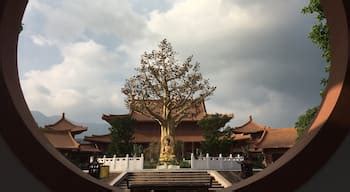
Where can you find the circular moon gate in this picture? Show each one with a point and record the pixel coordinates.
(58, 174)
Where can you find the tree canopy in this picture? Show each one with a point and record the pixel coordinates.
(175, 86)
(160, 77)
(216, 135)
(305, 120)
(122, 136)
(319, 35)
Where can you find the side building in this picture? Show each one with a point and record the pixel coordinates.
(61, 135)
(259, 139)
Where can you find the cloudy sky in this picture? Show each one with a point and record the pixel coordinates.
(74, 55)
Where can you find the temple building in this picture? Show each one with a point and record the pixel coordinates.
(259, 140)
(61, 135)
(272, 143)
(275, 142)
(147, 130)
(102, 141)
(246, 135)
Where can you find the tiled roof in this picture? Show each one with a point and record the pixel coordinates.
(89, 148)
(61, 139)
(249, 127)
(99, 138)
(195, 113)
(277, 138)
(143, 138)
(64, 125)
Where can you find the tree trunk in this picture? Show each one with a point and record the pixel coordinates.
(167, 144)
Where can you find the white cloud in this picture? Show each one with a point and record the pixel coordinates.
(68, 21)
(241, 45)
(207, 20)
(40, 40)
(79, 85)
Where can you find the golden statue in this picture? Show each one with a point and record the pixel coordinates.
(167, 153)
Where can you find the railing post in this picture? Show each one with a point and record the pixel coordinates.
(207, 158)
(127, 161)
(232, 162)
(104, 159)
(114, 162)
(192, 160)
(220, 161)
(142, 160)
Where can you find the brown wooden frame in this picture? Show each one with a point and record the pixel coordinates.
(328, 130)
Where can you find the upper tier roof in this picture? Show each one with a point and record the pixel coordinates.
(195, 113)
(64, 125)
(143, 138)
(249, 127)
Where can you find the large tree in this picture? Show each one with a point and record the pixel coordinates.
(122, 136)
(304, 120)
(217, 137)
(175, 86)
(319, 35)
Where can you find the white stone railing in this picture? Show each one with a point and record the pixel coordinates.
(120, 164)
(217, 163)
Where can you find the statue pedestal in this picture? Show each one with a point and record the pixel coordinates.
(173, 166)
(165, 166)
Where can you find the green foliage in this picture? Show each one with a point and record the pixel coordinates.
(151, 153)
(305, 120)
(257, 161)
(179, 150)
(150, 165)
(137, 150)
(319, 35)
(217, 138)
(185, 164)
(122, 136)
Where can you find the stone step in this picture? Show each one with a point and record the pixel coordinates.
(167, 178)
(167, 173)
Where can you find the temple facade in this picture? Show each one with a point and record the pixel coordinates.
(256, 139)
(147, 130)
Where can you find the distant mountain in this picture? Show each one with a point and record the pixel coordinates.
(93, 128)
(43, 120)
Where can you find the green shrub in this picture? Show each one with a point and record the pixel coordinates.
(150, 165)
(185, 164)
